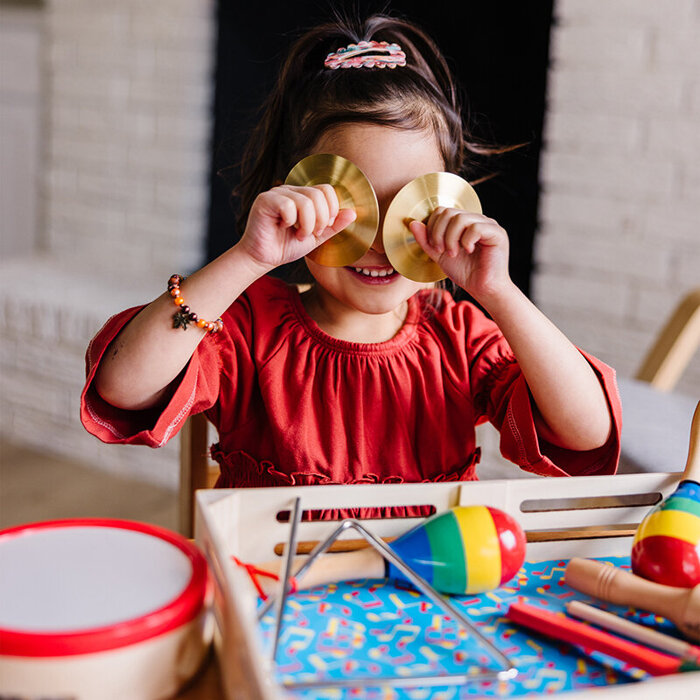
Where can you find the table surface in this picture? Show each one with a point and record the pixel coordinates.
(206, 685)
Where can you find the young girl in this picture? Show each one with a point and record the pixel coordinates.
(366, 377)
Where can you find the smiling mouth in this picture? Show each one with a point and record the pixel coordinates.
(374, 275)
(374, 271)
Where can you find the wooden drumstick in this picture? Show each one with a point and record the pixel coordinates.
(679, 605)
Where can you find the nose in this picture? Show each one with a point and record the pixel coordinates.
(378, 243)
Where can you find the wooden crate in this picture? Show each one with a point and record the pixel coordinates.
(244, 522)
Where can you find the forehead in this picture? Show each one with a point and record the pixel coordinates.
(389, 157)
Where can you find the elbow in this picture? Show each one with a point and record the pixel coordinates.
(591, 435)
(579, 434)
(124, 398)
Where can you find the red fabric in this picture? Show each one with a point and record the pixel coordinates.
(295, 406)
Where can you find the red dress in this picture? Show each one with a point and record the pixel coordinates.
(293, 405)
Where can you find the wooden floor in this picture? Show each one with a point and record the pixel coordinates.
(35, 487)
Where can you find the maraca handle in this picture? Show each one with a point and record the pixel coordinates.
(692, 467)
(622, 588)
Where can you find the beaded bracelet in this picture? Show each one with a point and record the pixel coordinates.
(183, 316)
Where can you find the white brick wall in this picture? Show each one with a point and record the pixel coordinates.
(125, 191)
(130, 102)
(619, 238)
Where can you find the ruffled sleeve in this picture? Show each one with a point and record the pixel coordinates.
(195, 390)
(501, 396)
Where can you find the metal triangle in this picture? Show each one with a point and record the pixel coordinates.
(485, 674)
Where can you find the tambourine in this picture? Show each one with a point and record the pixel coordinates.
(100, 608)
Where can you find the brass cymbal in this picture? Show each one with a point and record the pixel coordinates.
(354, 192)
(417, 200)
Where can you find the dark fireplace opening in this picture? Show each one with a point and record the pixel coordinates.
(498, 51)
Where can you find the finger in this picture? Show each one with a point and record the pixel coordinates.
(420, 232)
(331, 200)
(437, 224)
(306, 213)
(469, 239)
(453, 234)
(345, 218)
(320, 205)
(481, 234)
(275, 204)
(286, 209)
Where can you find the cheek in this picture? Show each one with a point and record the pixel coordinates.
(326, 277)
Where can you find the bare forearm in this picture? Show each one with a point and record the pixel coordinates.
(149, 353)
(564, 387)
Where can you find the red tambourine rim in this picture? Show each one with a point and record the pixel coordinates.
(179, 611)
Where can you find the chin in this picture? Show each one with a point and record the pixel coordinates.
(376, 307)
(382, 302)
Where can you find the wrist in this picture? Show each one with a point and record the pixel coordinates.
(253, 269)
(499, 296)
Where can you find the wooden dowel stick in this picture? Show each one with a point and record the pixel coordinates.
(575, 533)
(630, 629)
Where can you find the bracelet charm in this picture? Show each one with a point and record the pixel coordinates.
(184, 316)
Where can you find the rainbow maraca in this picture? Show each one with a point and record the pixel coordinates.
(464, 550)
(666, 546)
(467, 549)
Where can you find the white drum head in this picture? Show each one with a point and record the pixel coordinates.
(79, 586)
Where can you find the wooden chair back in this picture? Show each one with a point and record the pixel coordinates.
(197, 470)
(675, 345)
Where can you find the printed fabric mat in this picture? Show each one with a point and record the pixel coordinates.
(377, 628)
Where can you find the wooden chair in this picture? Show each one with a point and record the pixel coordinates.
(655, 418)
(675, 345)
(197, 470)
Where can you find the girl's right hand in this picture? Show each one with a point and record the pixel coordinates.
(287, 222)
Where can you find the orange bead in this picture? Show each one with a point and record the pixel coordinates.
(175, 292)
(201, 323)
(179, 300)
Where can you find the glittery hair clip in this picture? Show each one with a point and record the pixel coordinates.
(367, 54)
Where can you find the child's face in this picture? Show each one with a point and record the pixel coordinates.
(390, 158)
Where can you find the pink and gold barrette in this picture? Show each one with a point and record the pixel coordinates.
(367, 54)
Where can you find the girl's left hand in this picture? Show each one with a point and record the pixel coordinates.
(470, 248)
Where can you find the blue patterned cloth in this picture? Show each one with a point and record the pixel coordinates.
(378, 628)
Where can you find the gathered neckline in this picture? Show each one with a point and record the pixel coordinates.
(403, 336)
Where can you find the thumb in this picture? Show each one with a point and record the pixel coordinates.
(344, 218)
(420, 232)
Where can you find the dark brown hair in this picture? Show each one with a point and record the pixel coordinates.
(309, 99)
